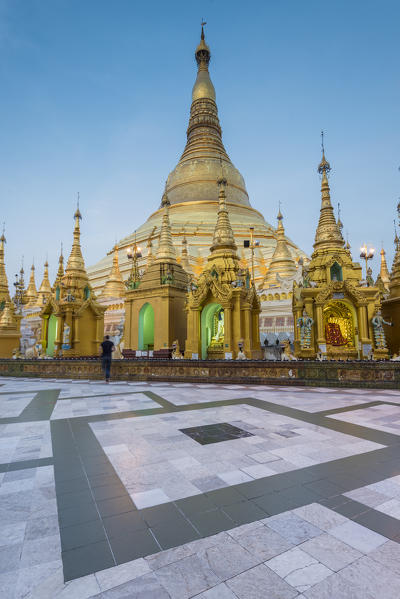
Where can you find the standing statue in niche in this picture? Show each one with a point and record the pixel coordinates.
(66, 337)
(379, 334)
(220, 327)
(305, 323)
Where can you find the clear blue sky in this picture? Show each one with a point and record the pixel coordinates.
(95, 97)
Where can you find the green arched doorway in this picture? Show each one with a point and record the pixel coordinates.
(146, 327)
(207, 326)
(51, 335)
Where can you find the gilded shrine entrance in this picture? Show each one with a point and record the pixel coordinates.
(339, 325)
(51, 334)
(146, 328)
(212, 331)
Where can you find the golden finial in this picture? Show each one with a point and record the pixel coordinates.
(202, 28)
(324, 167)
(77, 214)
(2, 238)
(202, 53)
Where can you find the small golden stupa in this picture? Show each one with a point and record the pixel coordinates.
(336, 315)
(223, 306)
(114, 286)
(391, 305)
(73, 321)
(154, 302)
(4, 292)
(44, 292)
(10, 322)
(31, 294)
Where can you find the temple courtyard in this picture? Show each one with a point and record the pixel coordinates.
(160, 490)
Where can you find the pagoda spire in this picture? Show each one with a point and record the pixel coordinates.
(31, 292)
(185, 255)
(60, 271)
(223, 234)
(282, 262)
(114, 286)
(166, 251)
(384, 271)
(75, 275)
(394, 284)
(150, 255)
(4, 292)
(45, 287)
(328, 234)
(204, 134)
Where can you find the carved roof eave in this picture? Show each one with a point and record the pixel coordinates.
(210, 287)
(359, 295)
(97, 309)
(51, 307)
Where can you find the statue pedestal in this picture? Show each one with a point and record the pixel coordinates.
(381, 354)
(215, 352)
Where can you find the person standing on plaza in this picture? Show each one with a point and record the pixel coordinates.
(107, 348)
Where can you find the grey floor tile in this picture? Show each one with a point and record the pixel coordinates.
(85, 560)
(260, 582)
(244, 512)
(77, 515)
(10, 556)
(263, 542)
(126, 523)
(212, 522)
(82, 534)
(291, 527)
(132, 545)
(144, 587)
(187, 577)
(174, 533)
(195, 504)
(115, 506)
(161, 513)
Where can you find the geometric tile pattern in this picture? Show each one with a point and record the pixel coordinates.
(158, 463)
(316, 516)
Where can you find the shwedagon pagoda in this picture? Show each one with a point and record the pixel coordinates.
(207, 277)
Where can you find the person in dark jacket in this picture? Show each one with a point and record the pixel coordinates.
(107, 348)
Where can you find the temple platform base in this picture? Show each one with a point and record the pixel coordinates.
(378, 375)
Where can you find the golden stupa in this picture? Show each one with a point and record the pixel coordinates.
(191, 189)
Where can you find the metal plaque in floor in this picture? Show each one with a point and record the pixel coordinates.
(215, 433)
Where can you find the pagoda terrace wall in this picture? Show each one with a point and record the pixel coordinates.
(378, 375)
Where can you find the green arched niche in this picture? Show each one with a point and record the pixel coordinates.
(206, 326)
(51, 335)
(146, 327)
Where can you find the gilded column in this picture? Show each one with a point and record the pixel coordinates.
(319, 324)
(228, 329)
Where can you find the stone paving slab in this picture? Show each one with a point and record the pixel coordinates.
(264, 522)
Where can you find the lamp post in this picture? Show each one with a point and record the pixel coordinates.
(251, 244)
(367, 253)
(134, 253)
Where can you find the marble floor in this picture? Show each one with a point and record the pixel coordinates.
(156, 490)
